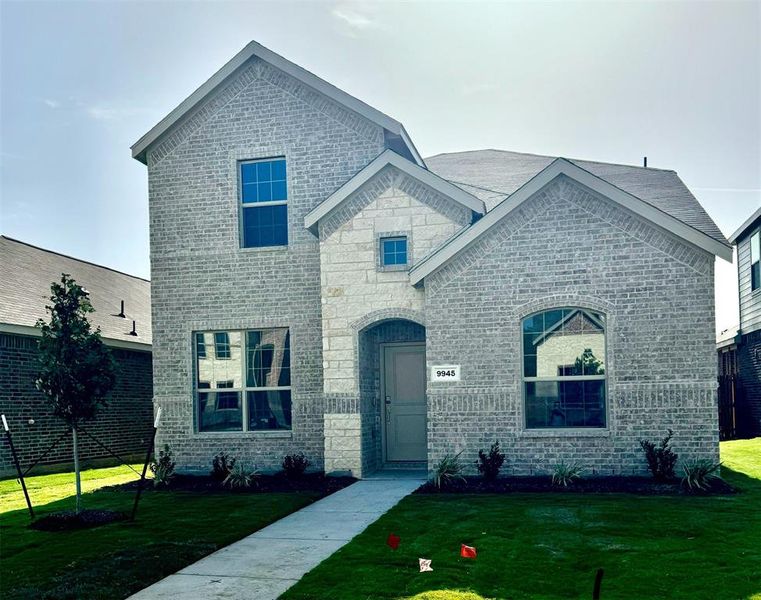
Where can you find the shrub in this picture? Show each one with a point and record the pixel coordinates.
(699, 474)
(163, 468)
(294, 465)
(221, 466)
(447, 470)
(565, 474)
(661, 459)
(490, 464)
(239, 477)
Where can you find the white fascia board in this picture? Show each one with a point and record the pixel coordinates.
(741, 229)
(408, 141)
(389, 157)
(28, 330)
(558, 167)
(283, 64)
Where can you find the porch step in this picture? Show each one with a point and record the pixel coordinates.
(419, 465)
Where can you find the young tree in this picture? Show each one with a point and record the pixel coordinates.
(76, 370)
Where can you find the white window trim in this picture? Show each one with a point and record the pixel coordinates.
(241, 390)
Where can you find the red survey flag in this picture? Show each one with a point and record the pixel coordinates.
(393, 541)
(467, 551)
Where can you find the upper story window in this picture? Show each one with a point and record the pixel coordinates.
(755, 261)
(393, 251)
(264, 203)
(249, 388)
(564, 369)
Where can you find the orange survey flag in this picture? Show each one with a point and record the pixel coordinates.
(467, 551)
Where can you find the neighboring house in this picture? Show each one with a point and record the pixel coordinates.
(124, 426)
(318, 286)
(740, 354)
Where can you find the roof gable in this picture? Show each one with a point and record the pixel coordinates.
(385, 159)
(557, 168)
(493, 175)
(396, 135)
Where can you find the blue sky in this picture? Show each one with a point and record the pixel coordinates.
(610, 81)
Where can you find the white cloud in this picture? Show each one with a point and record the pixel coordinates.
(355, 17)
(52, 103)
(351, 18)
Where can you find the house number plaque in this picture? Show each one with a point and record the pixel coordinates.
(445, 373)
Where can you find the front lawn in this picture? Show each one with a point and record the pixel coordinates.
(549, 546)
(47, 488)
(172, 530)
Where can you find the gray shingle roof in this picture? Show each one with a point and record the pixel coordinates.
(492, 175)
(26, 273)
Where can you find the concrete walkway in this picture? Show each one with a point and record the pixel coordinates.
(265, 564)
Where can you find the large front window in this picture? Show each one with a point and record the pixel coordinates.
(246, 384)
(564, 369)
(264, 203)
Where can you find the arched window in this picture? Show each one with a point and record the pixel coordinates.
(564, 368)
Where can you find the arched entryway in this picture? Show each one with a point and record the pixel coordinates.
(392, 384)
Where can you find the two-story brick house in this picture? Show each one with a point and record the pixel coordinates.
(318, 286)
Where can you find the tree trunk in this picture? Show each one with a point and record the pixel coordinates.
(76, 468)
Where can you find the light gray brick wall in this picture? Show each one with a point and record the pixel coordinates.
(567, 246)
(202, 279)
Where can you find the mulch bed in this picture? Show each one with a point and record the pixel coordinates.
(70, 520)
(591, 485)
(309, 482)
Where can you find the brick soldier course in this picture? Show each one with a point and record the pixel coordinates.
(492, 238)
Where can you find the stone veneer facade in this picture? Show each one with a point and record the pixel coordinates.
(357, 294)
(565, 246)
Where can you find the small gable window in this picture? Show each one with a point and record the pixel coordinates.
(755, 261)
(393, 251)
(264, 203)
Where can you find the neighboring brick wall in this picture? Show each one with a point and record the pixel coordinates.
(568, 247)
(203, 280)
(124, 425)
(749, 374)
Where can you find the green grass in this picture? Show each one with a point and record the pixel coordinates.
(549, 546)
(47, 488)
(172, 530)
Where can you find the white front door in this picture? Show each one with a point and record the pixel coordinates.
(405, 402)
